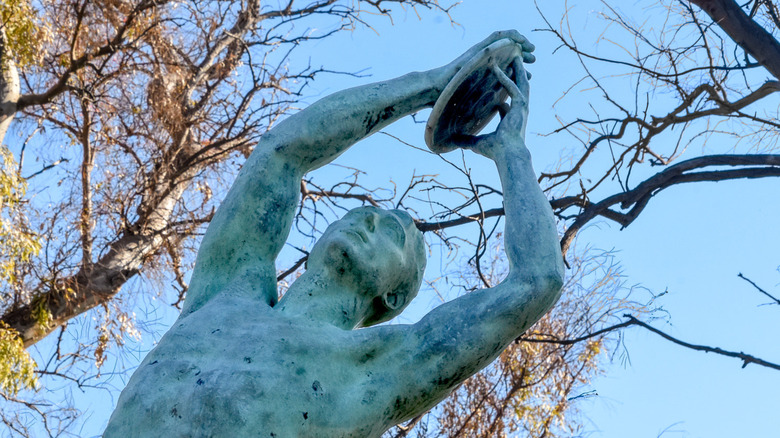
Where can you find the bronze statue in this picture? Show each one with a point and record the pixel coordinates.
(237, 363)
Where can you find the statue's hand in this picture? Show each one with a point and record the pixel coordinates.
(515, 117)
(447, 72)
(510, 134)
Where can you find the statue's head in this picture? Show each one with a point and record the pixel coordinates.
(379, 253)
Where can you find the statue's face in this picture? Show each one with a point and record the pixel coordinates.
(369, 248)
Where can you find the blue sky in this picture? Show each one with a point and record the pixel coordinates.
(691, 240)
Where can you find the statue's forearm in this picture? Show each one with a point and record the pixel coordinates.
(531, 237)
(461, 337)
(487, 320)
(317, 135)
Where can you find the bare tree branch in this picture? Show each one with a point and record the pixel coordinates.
(748, 34)
(632, 321)
(772, 297)
(765, 166)
(74, 65)
(746, 358)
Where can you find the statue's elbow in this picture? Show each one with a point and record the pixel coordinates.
(547, 288)
(550, 282)
(545, 284)
(539, 291)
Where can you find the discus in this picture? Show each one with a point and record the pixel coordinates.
(472, 97)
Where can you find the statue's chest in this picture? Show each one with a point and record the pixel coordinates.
(291, 396)
(264, 373)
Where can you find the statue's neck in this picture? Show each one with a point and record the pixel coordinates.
(318, 297)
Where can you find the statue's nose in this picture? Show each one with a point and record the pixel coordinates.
(370, 220)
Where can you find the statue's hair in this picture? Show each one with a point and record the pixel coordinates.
(408, 287)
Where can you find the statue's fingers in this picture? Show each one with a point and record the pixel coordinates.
(507, 83)
(521, 78)
(518, 68)
(522, 40)
(528, 47)
(528, 57)
(464, 141)
(515, 36)
(511, 34)
(503, 109)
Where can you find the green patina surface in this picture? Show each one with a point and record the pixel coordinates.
(237, 363)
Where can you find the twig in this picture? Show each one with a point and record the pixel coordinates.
(776, 301)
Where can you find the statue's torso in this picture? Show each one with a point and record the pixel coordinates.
(256, 373)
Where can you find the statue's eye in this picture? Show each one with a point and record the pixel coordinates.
(394, 230)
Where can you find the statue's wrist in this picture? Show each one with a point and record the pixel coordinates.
(508, 154)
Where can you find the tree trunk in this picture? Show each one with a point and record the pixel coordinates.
(748, 34)
(69, 297)
(9, 86)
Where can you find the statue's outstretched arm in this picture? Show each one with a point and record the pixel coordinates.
(459, 338)
(253, 222)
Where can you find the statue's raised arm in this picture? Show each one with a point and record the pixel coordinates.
(461, 337)
(250, 227)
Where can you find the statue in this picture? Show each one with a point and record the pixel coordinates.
(237, 363)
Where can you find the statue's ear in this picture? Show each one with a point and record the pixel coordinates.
(393, 300)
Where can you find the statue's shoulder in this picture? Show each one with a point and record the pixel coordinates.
(220, 318)
(231, 307)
